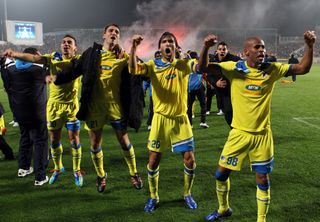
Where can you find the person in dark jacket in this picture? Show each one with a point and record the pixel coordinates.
(196, 88)
(293, 60)
(104, 70)
(222, 85)
(270, 57)
(26, 88)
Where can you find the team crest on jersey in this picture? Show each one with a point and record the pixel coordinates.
(105, 67)
(170, 76)
(57, 56)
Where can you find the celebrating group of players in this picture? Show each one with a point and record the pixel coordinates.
(252, 81)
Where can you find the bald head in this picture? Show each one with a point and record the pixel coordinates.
(254, 51)
(249, 42)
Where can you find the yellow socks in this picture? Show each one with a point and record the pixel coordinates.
(56, 153)
(153, 179)
(76, 151)
(189, 175)
(263, 202)
(97, 159)
(222, 189)
(130, 158)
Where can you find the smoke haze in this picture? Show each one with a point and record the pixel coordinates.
(190, 20)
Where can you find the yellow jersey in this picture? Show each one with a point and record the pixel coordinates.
(64, 93)
(107, 88)
(169, 84)
(251, 93)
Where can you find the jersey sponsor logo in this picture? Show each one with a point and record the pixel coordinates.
(105, 67)
(253, 87)
(170, 76)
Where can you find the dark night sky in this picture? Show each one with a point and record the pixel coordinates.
(55, 14)
(291, 17)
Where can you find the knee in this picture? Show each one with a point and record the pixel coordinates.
(55, 145)
(126, 147)
(73, 143)
(95, 144)
(54, 140)
(190, 162)
(264, 187)
(222, 175)
(154, 160)
(262, 181)
(123, 139)
(153, 164)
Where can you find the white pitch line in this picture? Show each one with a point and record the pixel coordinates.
(307, 123)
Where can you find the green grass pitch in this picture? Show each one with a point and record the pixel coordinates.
(295, 187)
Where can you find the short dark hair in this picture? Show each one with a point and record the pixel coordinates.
(157, 53)
(31, 50)
(107, 26)
(165, 35)
(193, 55)
(222, 43)
(70, 36)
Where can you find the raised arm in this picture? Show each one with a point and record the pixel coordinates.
(70, 73)
(306, 62)
(136, 40)
(24, 56)
(203, 64)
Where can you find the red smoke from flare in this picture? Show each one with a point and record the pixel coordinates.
(180, 32)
